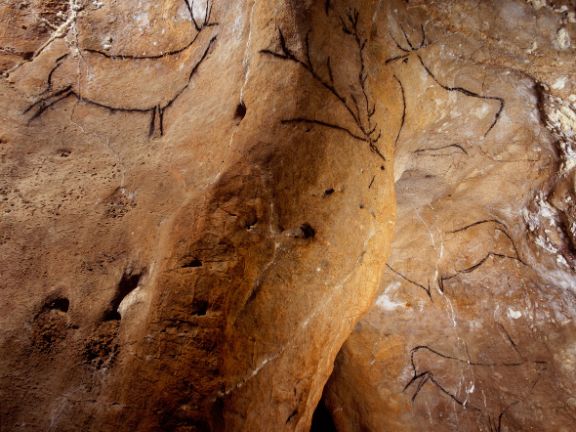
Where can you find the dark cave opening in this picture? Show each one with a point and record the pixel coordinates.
(322, 419)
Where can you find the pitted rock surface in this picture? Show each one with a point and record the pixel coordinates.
(220, 215)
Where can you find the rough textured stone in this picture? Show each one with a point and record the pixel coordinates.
(187, 206)
(199, 200)
(473, 328)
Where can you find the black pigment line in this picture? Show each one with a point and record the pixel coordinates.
(330, 73)
(362, 116)
(426, 289)
(467, 93)
(371, 182)
(431, 149)
(59, 61)
(325, 124)
(510, 340)
(156, 111)
(199, 28)
(418, 348)
(411, 46)
(152, 122)
(500, 226)
(481, 222)
(152, 56)
(393, 59)
(400, 47)
(403, 109)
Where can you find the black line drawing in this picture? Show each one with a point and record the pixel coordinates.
(198, 26)
(426, 289)
(442, 278)
(71, 87)
(495, 423)
(473, 224)
(467, 93)
(420, 378)
(474, 267)
(403, 120)
(429, 150)
(413, 48)
(499, 226)
(371, 182)
(360, 112)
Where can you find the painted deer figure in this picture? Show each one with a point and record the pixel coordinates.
(129, 83)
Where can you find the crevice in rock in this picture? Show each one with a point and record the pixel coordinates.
(240, 112)
(328, 192)
(200, 307)
(128, 283)
(307, 230)
(193, 263)
(322, 419)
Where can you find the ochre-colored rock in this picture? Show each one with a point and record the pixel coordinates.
(210, 209)
(473, 328)
(197, 203)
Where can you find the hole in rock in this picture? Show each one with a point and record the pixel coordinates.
(322, 419)
(63, 152)
(200, 307)
(61, 304)
(240, 111)
(251, 221)
(193, 263)
(307, 230)
(328, 192)
(127, 284)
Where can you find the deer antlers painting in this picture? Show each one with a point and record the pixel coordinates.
(358, 104)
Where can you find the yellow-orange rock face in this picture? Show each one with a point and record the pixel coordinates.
(197, 202)
(212, 208)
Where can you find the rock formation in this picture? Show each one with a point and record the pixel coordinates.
(473, 327)
(193, 191)
(210, 209)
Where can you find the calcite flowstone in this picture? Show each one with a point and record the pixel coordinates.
(197, 201)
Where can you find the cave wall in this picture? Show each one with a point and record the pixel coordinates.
(212, 208)
(193, 192)
(473, 327)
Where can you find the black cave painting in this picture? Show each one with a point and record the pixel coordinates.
(52, 96)
(426, 376)
(415, 48)
(443, 278)
(361, 109)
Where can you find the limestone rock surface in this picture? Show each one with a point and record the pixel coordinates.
(197, 200)
(216, 214)
(473, 327)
